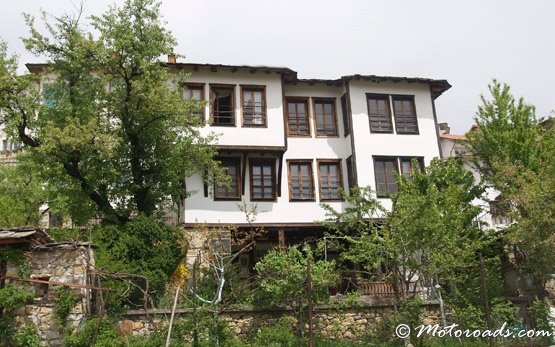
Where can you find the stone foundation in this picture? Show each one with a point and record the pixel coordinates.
(342, 324)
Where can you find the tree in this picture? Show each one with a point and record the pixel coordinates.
(283, 279)
(429, 234)
(105, 122)
(519, 150)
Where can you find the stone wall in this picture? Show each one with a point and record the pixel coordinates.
(345, 324)
(56, 264)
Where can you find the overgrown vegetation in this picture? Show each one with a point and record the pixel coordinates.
(65, 301)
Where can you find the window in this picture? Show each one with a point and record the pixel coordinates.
(297, 117)
(345, 113)
(263, 179)
(232, 166)
(384, 168)
(385, 179)
(50, 94)
(405, 114)
(329, 172)
(379, 113)
(408, 167)
(324, 114)
(222, 100)
(253, 100)
(195, 92)
(498, 209)
(301, 183)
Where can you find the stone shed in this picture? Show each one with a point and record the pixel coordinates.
(40, 265)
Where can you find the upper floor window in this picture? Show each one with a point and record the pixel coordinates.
(384, 168)
(329, 172)
(325, 118)
(195, 92)
(405, 114)
(263, 179)
(298, 123)
(301, 183)
(222, 101)
(253, 99)
(49, 94)
(232, 166)
(379, 113)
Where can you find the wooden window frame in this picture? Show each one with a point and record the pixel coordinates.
(333, 101)
(298, 99)
(385, 97)
(386, 194)
(261, 161)
(240, 174)
(290, 181)
(211, 87)
(405, 98)
(201, 86)
(261, 88)
(339, 179)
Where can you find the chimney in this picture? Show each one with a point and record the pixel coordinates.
(172, 59)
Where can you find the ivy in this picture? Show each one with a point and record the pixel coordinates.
(66, 300)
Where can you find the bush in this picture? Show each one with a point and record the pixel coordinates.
(65, 301)
(277, 335)
(27, 336)
(144, 246)
(106, 337)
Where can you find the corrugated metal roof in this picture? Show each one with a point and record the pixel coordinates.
(24, 235)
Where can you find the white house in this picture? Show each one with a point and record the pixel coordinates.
(290, 144)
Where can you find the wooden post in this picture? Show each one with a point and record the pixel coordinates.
(281, 237)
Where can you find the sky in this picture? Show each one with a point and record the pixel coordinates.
(467, 42)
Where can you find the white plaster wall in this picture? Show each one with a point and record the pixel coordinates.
(272, 135)
(367, 144)
(201, 209)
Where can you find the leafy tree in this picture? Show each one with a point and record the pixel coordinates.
(283, 279)
(105, 122)
(21, 196)
(519, 150)
(429, 235)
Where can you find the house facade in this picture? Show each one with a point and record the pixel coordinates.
(291, 144)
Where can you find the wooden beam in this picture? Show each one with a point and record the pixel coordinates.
(71, 285)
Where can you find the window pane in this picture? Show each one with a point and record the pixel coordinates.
(263, 180)
(301, 181)
(232, 167)
(297, 118)
(405, 115)
(326, 124)
(329, 181)
(222, 104)
(378, 111)
(385, 179)
(254, 112)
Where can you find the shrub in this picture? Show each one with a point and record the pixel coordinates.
(65, 301)
(277, 335)
(144, 246)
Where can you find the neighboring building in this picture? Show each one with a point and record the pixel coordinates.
(291, 144)
(494, 212)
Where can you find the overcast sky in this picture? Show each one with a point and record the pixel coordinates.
(467, 42)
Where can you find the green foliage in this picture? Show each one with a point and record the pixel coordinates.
(111, 136)
(540, 312)
(276, 335)
(21, 196)
(65, 302)
(283, 275)
(27, 336)
(11, 299)
(143, 246)
(90, 334)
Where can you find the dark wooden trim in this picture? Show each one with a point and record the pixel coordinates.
(279, 174)
(290, 186)
(237, 162)
(298, 99)
(262, 161)
(261, 88)
(339, 172)
(334, 110)
(345, 115)
(233, 103)
(353, 149)
(283, 106)
(243, 173)
(390, 116)
(240, 148)
(435, 122)
(350, 174)
(404, 98)
(205, 186)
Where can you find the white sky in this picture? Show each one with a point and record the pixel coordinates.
(467, 42)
